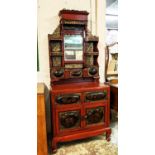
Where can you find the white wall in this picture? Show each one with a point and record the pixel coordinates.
(48, 20)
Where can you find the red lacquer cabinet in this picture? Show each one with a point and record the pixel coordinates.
(80, 103)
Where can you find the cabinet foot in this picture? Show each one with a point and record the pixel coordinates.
(108, 133)
(54, 146)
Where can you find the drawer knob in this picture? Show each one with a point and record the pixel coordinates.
(93, 70)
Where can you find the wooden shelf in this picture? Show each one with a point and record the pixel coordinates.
(55, 54)
(91, 53)
(50, 37)
(92, 39)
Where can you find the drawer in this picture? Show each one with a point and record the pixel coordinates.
(76, 73)
(96, 96)
(68, 98)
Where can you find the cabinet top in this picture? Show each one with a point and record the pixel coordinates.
(87, 86)
(64, 11)
(73, 15)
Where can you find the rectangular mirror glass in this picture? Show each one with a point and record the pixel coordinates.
(73, 47)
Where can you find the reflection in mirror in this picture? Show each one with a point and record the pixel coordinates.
(73, 47)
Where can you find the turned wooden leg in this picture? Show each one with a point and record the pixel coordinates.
(108, 133)
(54, 145)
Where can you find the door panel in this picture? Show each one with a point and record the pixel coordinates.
(69, 120)
(95, 115)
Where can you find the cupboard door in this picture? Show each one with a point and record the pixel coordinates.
(95, 115)
(69, 120)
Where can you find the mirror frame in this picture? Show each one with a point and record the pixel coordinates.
(72, 32)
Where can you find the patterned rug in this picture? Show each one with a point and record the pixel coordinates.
(91, 146)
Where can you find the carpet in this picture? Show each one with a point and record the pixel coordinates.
(90, 146)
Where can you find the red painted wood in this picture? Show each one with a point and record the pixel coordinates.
(77, 133)
(68, 85)
(80, 135)
(73, 15)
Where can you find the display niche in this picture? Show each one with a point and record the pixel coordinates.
(73, 49)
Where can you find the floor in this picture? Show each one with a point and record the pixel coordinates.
(114, 127)
(114, 134)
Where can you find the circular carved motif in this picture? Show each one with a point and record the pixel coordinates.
(58, 73)
(93, 70)
(94, 116)
(69, 119)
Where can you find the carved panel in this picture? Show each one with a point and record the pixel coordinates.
(56, 47)
(69, 119)
(89, 47)
(74, 27)
(89, 60)
(95, 115)
(74, 22)
(73, 65)
(56, 61)
(56, 33)
(68, 99)
(76, 73)
(95, 96)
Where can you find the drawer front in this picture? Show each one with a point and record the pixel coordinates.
(68, 99)
(69, 120)
(96, 96)
(76, 73)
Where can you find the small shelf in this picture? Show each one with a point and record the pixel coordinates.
(92, 39)
(91, 53)
(55, 54)
(52, 38)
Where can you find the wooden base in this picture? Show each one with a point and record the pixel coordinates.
(82, 135)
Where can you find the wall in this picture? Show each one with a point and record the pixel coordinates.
(48, 20)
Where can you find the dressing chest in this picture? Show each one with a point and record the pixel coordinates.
(80, 104)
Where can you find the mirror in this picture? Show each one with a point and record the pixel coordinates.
(73, 47)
